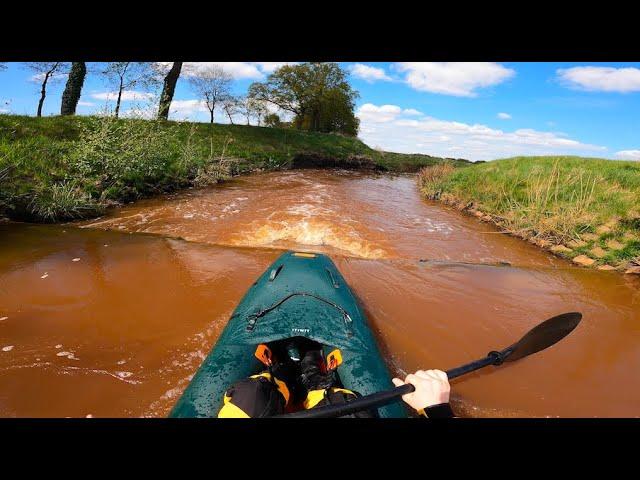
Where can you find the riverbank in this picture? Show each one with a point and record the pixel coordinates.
(586, 210)
(61, 168)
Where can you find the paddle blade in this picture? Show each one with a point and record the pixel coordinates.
(543, 336)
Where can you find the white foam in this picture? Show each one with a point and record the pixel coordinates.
(69, 355)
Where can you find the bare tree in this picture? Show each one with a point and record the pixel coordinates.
(73, 88)
(256, 108)
(45, 72)
(212, 85)
(243, 107)
(231, 106)
(168, 90)
(250, 107)
(125, 75)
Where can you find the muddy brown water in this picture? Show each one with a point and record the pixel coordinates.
(112, 317)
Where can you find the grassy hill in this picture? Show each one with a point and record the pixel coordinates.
(58, 168)
(585, 209)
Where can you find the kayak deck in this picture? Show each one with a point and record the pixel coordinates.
(299, 295)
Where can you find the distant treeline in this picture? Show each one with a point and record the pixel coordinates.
(316, 95)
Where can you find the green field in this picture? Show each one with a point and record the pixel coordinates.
(590, 206)
(60, 168)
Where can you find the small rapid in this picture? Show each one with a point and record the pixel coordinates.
(113, 316)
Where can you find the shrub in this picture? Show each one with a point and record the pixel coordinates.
(123, 155)
(62, 201)
(272, 120)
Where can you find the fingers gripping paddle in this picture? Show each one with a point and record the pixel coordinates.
(538, 338)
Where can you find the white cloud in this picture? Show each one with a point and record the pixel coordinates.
(270, 67)
(601, 79)
(453, 78)
(238, 70)
(127, 96)
(187, 109)
(504, 116)
(628, 154)
(384, 113)
(368, 73)
(85, 104)
(55, 77)
(4, 110)
(385, 126)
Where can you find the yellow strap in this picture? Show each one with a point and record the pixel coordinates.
(229, 410)
(316, 396)
(282, 387)
(334, 359)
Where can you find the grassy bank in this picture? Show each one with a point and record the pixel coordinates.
(584, 209)
(60, 168)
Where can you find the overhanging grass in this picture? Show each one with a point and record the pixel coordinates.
(58, 168)
(591, 202)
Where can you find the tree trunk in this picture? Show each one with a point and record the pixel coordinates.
(73, 88)
(211, 112)
(43, 93)
(229, 115)
(168, 90)
(119, 99)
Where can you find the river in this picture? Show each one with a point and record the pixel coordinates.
(111, 317)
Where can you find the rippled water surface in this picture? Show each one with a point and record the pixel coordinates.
(111, 317)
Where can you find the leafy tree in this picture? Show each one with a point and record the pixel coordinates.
(45, 72)
(125, 75)
(168, 90)
(73, 88)
(317, 94)
(272, 120)
(336, 114)
(213, 85)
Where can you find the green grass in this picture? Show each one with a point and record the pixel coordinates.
(60, 168)
(401, 162)
(556, 199)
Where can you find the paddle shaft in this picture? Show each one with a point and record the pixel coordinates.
(538, 338)
(381, 399)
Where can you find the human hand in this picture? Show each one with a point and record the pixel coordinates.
(431, 388)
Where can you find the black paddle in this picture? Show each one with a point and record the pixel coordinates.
(538, 338)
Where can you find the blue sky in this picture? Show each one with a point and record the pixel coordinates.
(479, 111)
